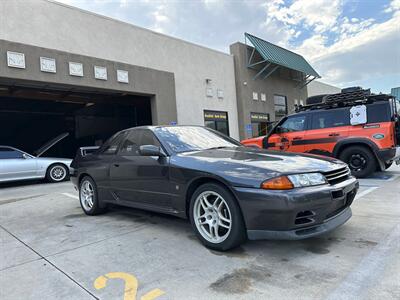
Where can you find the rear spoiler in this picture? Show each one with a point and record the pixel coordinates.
(83, 151)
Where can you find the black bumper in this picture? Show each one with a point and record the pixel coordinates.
(298, 213)
(389, 155)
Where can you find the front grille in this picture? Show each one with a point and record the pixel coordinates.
(337, 175)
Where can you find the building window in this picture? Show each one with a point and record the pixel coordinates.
(255, 96)
(260, 124)
(263, 97)
(280, 106)
(217, 120)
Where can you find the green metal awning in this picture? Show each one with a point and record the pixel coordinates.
(276, 56)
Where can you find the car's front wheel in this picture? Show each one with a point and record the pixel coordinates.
(57, 173)
(88, 197)
(216, 217)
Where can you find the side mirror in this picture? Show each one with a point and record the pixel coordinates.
(151, 150)
(25, 156)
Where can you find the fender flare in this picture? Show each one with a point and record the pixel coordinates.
(360, 141)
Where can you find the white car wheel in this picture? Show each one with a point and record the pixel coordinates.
(57, 173)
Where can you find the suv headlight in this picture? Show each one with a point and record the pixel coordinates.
(307, 179)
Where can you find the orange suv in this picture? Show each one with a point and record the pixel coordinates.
(359, 128)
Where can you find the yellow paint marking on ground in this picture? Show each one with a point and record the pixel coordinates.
(131, 286)
(152, 294)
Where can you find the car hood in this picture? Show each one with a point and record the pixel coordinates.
(250, 166)
(50, 144)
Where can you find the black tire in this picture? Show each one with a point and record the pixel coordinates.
(237, 234)
(95, 209)
(388, 165)
(57, 173)
(361, 160)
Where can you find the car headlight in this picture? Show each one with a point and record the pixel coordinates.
(307, 179)
(291, 181)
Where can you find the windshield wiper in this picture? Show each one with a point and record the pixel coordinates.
(219, 147)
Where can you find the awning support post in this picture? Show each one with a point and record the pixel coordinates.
(262, 70)
(270, 72)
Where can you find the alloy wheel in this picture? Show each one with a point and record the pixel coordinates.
(87, 195)
(58, 173)
(212, 217)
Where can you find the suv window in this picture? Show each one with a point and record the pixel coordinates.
(378, 112)
(9, 153)
(332, 118)
(294, 123)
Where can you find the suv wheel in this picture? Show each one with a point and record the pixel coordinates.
(88, 197)
(361, 160)
(216, 218)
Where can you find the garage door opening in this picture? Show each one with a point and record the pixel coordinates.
(31, 117)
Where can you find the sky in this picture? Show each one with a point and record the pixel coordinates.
(348, 42)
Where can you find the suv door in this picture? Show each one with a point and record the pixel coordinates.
(326, 129)
(140, 180)
(289, 135)
(16, 165)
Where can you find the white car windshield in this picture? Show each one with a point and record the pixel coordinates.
(187, 138)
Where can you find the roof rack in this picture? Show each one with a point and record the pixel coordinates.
(350, 98)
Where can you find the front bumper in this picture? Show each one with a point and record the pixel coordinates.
(296, 214)
(389, 155)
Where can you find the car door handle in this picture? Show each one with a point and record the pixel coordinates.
(296, 138)
(334, 134)
(116, 165)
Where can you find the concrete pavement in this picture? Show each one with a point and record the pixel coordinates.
(51, 250)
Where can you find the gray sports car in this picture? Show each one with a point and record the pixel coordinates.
(229, 192)
(16, 164)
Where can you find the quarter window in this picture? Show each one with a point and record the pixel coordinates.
(333, 118)
(294, 124)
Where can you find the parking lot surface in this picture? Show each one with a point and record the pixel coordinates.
(50, 250)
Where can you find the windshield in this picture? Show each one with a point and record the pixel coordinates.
(186, 138)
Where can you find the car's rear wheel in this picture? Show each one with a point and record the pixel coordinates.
(57, 173)
(88, 197)
(216, 217)
(361, 160)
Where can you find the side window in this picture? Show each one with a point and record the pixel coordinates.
(296, 123)
(9, 153)
(148, 138)
(378, 112)
(328, 119)
(112, 146)
(131, 144)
